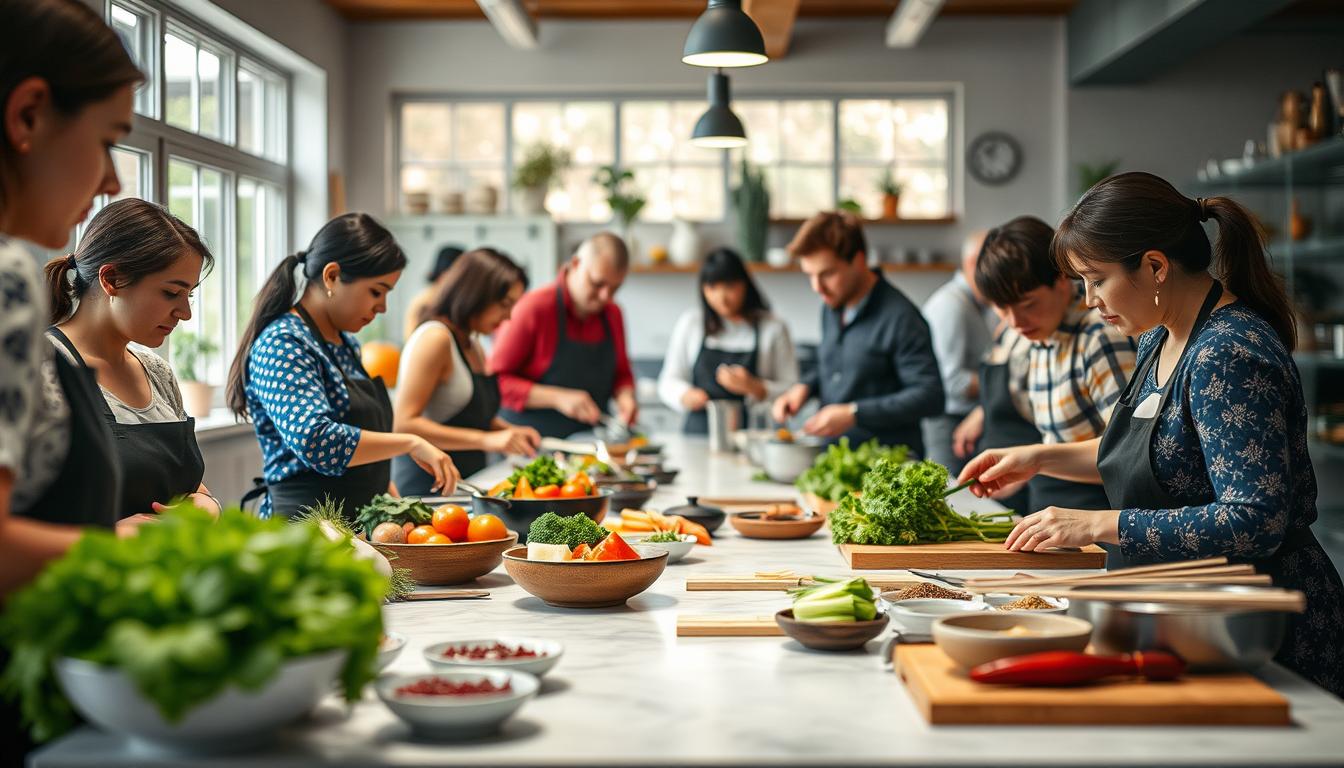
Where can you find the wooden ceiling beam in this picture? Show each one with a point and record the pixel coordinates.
(775, 18)
(363, 10)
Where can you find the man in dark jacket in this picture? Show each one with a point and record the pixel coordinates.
(876, 374)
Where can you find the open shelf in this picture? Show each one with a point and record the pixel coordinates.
(1321, 163)
(898, 222)
(1313, 248)
(758, 268)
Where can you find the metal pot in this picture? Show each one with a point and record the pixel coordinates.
(785, 461)
(518, 514)
(1208, 638)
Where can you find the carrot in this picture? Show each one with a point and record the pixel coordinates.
(523, 490)
(634, 514)
(500, 487)
(697, 530)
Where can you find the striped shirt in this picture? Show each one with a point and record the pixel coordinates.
(1075, 376)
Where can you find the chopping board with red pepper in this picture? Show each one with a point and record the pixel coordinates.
(967, 555)
(945, 694)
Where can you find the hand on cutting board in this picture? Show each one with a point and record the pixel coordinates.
(830, 421)
(1059, 527)
(999, 470)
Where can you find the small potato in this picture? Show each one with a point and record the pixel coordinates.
(389, 533)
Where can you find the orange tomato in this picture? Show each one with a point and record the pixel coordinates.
(438, 538)
(547, 492)
(452, 521)
(486, 528)
(573, 491)
(381, 359)
(420, 534)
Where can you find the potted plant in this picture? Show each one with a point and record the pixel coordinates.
(188, 349)
(1089, 175)
(891, 194)
(625, 202)
(751, 203)
(541, 168)
(850, 205)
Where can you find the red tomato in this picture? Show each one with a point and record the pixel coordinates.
(547, 492)
(452, 521)
(438, 538)
(573, 491)
(420, 534)
(487, 528)
(580, 551)
(614, 548)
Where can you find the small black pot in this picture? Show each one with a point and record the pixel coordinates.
(518, 514)
(710, 517)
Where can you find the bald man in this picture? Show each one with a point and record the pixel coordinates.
(962, 326)
(561, 357)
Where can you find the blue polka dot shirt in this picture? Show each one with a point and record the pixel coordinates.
(298, 401)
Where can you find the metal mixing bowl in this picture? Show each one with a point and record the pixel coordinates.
(785, 461)
(1208, 638)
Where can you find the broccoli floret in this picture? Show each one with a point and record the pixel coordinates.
(571, 531)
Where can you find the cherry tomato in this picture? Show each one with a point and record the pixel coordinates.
(451, 521)
(547, 492)
(420, 534)
(486, 528)
(573, 491)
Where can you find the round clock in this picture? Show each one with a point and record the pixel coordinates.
(994, 158)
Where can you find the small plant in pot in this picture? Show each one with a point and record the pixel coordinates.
(540, 170)
(625, 203)
(891, 195)
(751, 204)
(188, 351)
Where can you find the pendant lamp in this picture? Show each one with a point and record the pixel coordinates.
(724, 36)
(719, 128)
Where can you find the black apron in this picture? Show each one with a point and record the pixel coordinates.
(159, 462)
(590, 367)
(707, 364)
(83, 493)
(370, 409)
(478, 413)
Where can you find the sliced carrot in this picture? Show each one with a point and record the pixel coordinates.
(697, 530)
(500, 487)
(523, 490)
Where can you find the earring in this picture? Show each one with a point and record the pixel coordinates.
(1156, 291)
(329, 293)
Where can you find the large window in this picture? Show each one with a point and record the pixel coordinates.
(815, 152)
(216, 158)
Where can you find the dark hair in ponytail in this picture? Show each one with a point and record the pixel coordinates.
(68, 45)
(724, 265)
(359, 245)
(134, 238)
(1124, 216)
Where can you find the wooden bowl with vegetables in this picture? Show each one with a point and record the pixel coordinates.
(572, 562)
(540, 487)
(833, 615)
(437, 546)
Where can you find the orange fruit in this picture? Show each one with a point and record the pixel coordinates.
(452, 521)
(438, 538)
(420, 534)
(486, 528)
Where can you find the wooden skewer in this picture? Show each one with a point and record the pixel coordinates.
(1259, 600)
(448, 594)
(1113, 577)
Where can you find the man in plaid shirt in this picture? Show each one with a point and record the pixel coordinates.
(1077, 363)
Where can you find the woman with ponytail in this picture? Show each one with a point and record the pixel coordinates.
(324, 426)
(113, 300)
(1205, 453)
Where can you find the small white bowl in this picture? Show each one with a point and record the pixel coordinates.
(994, 601)
(916, 616)
(676, 550)
(388, 650)
(457, 716)
(548, 655)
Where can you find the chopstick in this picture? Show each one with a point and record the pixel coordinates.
(1259, 600)
(1231, 572)
(448, 594)
(1192, 567)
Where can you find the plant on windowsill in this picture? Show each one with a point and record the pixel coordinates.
(891, 195)
(188, 349)
(751, 203)
(850, 205)
(540, 170)
(625, 201)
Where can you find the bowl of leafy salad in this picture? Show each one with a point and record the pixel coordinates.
(539, 487)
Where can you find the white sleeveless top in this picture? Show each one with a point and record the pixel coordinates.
(451, 396)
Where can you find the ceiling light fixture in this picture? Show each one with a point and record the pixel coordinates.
(724, 36)
(719, 128)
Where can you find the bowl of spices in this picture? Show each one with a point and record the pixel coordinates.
(1033, 603)
(517, 654)
(460, 704)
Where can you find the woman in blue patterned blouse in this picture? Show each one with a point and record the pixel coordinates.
(325, 428)
(1206, 452)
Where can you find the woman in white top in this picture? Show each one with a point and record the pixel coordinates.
(119, 295)
(444, 393)
(415, 309)
(728, 348)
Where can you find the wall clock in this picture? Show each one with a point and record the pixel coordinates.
(994, 158)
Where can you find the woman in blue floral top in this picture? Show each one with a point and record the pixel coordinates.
(1206, 452)
(324, 426)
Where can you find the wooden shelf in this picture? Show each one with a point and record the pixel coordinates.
(757, 268)
(1312, 248)
(878, 222)
(1320, 164)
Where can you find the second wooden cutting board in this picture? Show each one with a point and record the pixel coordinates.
(967, 555)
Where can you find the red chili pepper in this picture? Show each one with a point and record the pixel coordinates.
(1070, 668)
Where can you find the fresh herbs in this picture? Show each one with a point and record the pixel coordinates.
(833, 601)
(904, 504)
(839, 471)
(662, 537)
(189, 607)
(571, 531)
(390, 509)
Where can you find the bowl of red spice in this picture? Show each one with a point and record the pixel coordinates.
(456, 704)
(517, 654)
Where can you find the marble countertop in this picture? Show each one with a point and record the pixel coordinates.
(628, 691)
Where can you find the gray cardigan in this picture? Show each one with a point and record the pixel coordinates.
(883, 362)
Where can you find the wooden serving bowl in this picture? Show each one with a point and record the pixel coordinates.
(443, 564)
(586, 584)
(753, 525)
(824, 636)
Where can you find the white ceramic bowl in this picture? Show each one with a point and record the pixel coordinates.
(676, 550)
(388, 650)
(457, 716)
(916, 616)
(548, 655)
(996, 602)
(233, 721)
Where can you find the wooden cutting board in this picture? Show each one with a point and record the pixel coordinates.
(966, 555)
(819, 505)
(727, 626)
(750, 583)
(945, 696)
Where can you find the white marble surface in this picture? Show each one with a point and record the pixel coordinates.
(628, 691)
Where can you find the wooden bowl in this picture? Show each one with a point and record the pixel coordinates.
(838, 636)
(754, 526)
(972, 639)
(442, 564)
(586, 584)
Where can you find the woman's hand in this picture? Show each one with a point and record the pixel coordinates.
(694, 399)
(738, 380)
(1001, 471)
(1058, 527)
(436, 463)
(200, 500)
(514, 441)
(968, 433)
(130, 526)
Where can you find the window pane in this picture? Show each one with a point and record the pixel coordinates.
(137, 32)
(646, 133)
(179, 63)
(697, 193)
(806, 132)
(261, 241)
(685, 114)
(910, 136)
(801, 192)
(426, 132)
(578, 197)
(586, 128)
(480, 133)
(210, 74)
(262, 124)
(131, 171)
(920, 129)
(865, 130)
(679, 179)
(760, 118)
(196, 195)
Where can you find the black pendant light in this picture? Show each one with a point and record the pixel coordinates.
(719, 128)
(724, 36)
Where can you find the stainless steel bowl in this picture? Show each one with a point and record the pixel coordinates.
(756, 440)
(784, 462)
(1207, 638)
